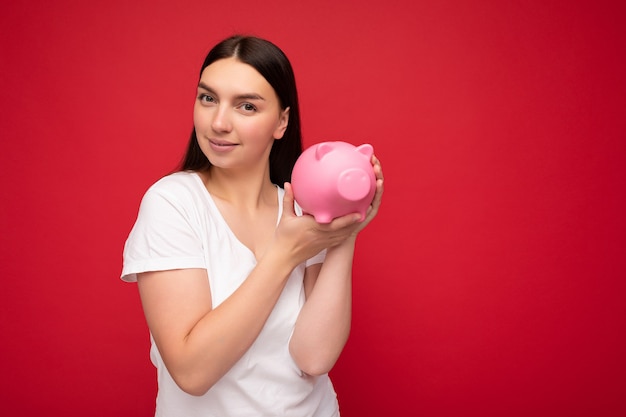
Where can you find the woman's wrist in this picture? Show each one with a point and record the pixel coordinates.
(346, 245)
(278, 261)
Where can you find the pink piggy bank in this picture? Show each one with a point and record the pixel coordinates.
(332, 179)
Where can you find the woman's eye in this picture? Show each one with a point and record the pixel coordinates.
(248, 107)
(204, 98)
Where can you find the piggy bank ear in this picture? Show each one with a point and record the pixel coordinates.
(366, 149)
(322, 149)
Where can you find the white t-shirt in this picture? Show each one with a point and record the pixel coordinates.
(179, 226)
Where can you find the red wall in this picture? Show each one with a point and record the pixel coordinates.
(491, 284)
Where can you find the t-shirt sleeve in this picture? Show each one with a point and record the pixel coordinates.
(163, 237)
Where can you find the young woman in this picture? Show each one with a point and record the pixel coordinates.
(248, 302)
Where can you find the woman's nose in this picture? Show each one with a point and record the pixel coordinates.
(221, 120)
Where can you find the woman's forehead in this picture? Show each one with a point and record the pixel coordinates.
(231, 78)
(231, 70)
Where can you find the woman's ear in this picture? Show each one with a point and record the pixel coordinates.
(283, 122)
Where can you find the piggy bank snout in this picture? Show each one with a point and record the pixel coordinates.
(354, 184)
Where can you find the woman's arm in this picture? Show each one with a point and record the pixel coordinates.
(323, 326)
(199, 343)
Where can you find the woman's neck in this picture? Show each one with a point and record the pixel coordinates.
(251, 191)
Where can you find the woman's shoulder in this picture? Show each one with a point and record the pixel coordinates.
(177, 183)
(181, 187)
(177, 196)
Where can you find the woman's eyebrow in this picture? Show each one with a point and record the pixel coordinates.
(246, 96)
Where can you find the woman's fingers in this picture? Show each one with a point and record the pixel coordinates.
(288, 201)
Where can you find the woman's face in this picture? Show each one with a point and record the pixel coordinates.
(237, 115)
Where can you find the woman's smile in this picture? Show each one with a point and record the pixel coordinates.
(221, 146)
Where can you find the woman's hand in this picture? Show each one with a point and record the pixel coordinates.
(308, 237)
(304, 237)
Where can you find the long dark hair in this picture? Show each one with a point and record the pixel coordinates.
(275, 67)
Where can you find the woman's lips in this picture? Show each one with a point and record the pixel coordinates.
(219, 146)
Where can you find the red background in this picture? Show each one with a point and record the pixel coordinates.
(492, 282)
